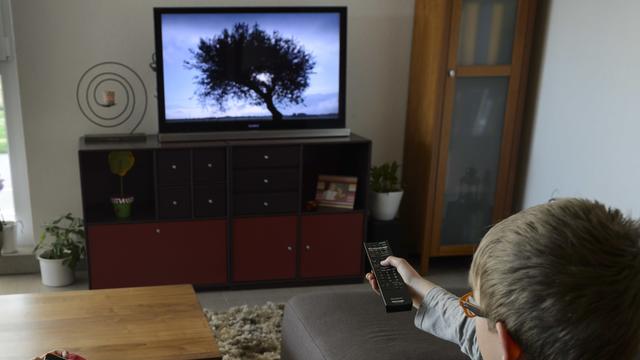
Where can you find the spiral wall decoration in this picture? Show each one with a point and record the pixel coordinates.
(112, 95)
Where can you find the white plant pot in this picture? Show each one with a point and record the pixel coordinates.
(55, 273)
(9, 241)
(384, 206)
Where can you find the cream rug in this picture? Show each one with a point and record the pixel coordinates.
(248, 333)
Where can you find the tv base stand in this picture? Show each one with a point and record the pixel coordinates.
(255, 135)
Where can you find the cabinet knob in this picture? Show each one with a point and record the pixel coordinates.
(174, 167)
(265, 204)
(452, 73)
(210, 165)
(266, 181)
(157, 231)
(210, 201)
(290, 248)
(174, 203)
(308, 247)
(266, 157)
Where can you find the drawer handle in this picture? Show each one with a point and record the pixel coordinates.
(209, 165)
(174, 203)
(266, 181)
(290, 248)
(210, 201)
(307, 247)
(174, 167)
(157, 231)
(266, 157)
(266, 204)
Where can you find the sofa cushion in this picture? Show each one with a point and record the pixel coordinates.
(354, 325)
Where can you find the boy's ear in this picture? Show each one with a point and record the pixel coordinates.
(510, 349)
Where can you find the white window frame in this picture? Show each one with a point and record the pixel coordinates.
(15, 131)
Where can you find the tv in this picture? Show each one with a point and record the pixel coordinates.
(235, 72)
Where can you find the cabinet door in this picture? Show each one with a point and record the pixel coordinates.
(126, 255)
(264, 248)
(331, 245)
(157, 254)
(197, 251)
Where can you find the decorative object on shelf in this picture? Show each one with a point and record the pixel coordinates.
(336, 191)
(111, 94)
(386, 191)
(311, 205)
(59, 257)
(120, 162)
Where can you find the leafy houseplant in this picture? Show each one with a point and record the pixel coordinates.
(60, 248)
(120, 162)
(387, 191)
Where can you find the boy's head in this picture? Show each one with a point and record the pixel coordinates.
(562, 281)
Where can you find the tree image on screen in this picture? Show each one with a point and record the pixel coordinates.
(247, 63)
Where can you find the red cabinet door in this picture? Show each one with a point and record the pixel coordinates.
(264, 248)
(127, 255)
(331, 245)
(197, 251)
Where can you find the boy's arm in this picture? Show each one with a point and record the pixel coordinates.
(438, 311)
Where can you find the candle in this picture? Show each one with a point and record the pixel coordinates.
(109, 98)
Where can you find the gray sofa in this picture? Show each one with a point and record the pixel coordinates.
(353, 325)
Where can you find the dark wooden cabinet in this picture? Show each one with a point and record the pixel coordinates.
(224, 214)
(126, 255)
(264, 248)
(331, 245)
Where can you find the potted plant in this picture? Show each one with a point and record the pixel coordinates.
(8, 237)
(60, 248)
(386, 191)
(120, 162)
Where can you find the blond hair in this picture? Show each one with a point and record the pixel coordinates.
(565, 279)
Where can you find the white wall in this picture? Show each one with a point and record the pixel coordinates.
(58, 40)
(586, 135)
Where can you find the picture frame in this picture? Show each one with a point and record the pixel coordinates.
(334, 191)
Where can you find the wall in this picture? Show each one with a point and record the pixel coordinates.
(57, 41)
(586, 122)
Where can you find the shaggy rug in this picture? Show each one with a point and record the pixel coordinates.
(248, 333)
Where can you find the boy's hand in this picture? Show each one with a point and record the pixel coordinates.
(418, 286)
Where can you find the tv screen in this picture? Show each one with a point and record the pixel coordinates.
(233, 69)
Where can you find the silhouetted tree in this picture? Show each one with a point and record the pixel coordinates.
(248, 63)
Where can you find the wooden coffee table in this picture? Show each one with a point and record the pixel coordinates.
(162, 322)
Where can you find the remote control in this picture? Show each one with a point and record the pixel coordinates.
(395, 294)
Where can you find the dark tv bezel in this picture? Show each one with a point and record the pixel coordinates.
(165, 126)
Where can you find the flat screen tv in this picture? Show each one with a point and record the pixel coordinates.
(250, 68)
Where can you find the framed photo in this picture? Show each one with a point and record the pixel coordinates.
(336, 191)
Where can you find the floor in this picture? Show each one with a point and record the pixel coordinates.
(448, 272)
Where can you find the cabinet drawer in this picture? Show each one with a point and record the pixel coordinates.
(209, 165)
(265, 180)
(173, 167)
(266, 156)
(246, 204)
(174, 203)
(209, 201)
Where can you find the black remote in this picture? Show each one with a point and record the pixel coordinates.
(395, 294)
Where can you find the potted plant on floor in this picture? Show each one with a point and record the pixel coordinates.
(386, 191)
(60, 248)
(120, 162)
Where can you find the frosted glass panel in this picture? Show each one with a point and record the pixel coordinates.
(486, 32)
(473, 158)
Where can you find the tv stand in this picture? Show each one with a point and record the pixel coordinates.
(254, 135)
(225, 214)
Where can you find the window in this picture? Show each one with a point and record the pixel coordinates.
(7, 208)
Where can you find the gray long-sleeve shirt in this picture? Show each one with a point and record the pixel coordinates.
(441, 315)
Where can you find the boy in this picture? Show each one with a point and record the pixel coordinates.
(555, 281)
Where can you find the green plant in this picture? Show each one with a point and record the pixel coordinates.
(67, 233)
(120, 162)
(384, 178)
